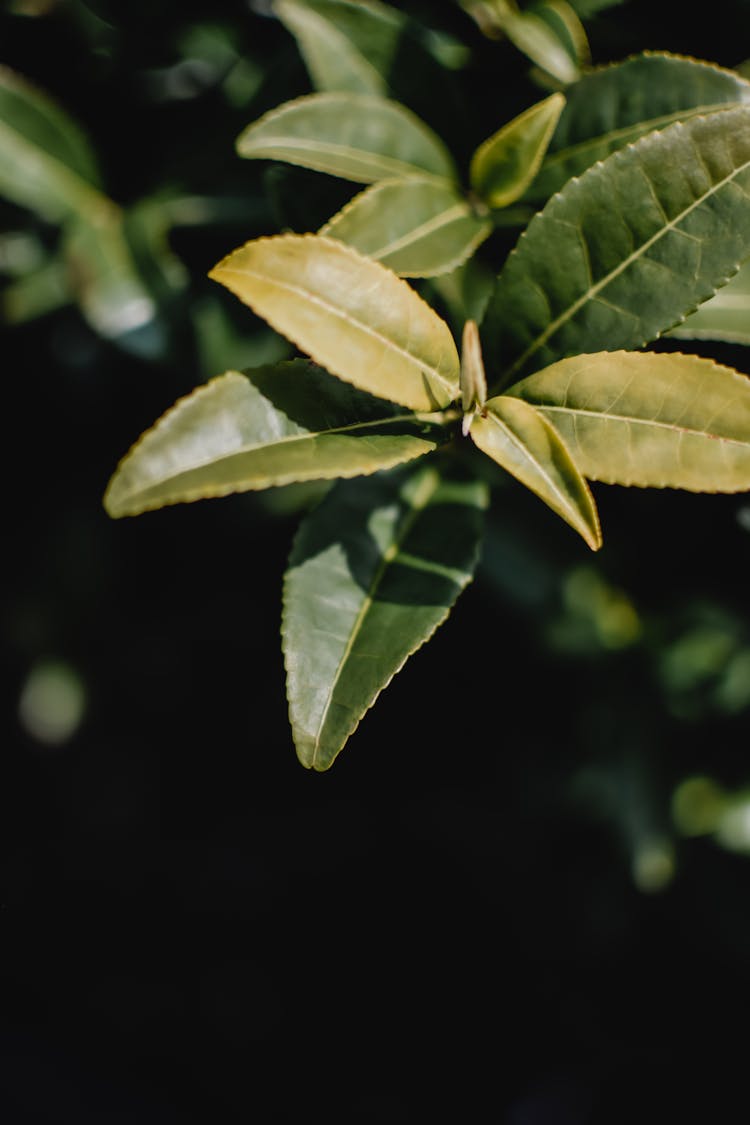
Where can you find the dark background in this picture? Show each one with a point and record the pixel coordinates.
(487, 910)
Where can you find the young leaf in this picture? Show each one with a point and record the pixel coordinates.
(725, 317)
(505, 164)
(623, 254)
(46, 163)
(374, 570)
(352, 315)
(528, 32)
(270, 426)
(415, 227)
(613, 106)
(345, 46)
(473, 379)
(526, 445)
(359, 137)
(659, 420)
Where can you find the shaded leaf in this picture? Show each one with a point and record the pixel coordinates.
(660, 420)
(526, 445)
(270, 426)
(345, 46)
(417, 228)
(623, 254)
(374, 570)
(504, 165)
(724, 317)
(528, 32)
(36, 293)
(352, 315)
(359, 137)
(46, 163)
(614, 105)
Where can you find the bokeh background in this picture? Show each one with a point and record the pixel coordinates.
(522, 894)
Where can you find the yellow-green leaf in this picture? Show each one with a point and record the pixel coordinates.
(505, 164)
(661, 420)
(525, 444)
(415, 227)
(473, 379)
(350, 314)
(269, 426)
(360, 137)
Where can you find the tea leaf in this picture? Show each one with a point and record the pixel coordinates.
(505, 164)
(350, 314)
(359, 137)
(374, 570)
(724, 317)
(270, 426)
(660, 420)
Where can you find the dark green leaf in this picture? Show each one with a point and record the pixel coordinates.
(623, 254)
(373, 572)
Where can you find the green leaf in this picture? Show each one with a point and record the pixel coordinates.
(36, 293)
(415, 227)
(350, 314)
(528, 32)
(374, 570)
(270, 426)
(660, 420)
(473, 379)
(526, 445)
(346, 46)
(724, 317)
(359, 137)
(46, 163)
(106, 284)
(623, 254)
(504, 165)
(614, 105)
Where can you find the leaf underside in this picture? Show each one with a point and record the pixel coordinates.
(374, 570)
(623, 254)
(351, 315)
(657, 420)
(270, 426)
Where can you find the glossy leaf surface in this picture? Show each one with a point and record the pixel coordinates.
(359, 137)
(416, 227)
(614, 105)
(269, 426)
(526, 444)
(350, 314)
(346, 46)
(660, 420)
(623, 254)
(374, 570)
(505, 164)
(46, 163)
(725, 317)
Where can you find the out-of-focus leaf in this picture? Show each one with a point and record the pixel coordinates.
(725, 317)
(106, 284)
(464, 292)
(374, 570)
(588, 8)
(350, 314)
(359, 137)
(624, 253)
(225, 344)
(565, 24)
(271, 426)
(46, 163)
(35, 293)
(614, 105)
(528, 32)
(417, 228)
(506, 163)
(346, 46)
(528, 446)
(659, 420)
